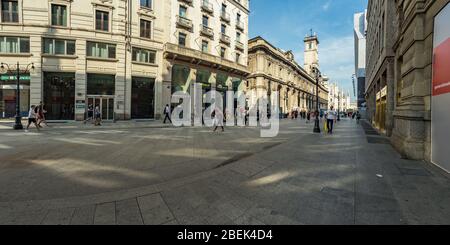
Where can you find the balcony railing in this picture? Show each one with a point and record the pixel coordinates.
(173, 50)
(187, 1)
(224, 38)
(184, 22)
(225, 16)
(239, 25)
(239, 45)
(207, 31)
(207, 7)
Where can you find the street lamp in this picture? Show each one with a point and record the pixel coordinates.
(10, 69)
(317, 122)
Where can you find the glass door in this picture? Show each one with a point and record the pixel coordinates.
(105, 104)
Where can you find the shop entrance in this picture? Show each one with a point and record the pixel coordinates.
(106, 105)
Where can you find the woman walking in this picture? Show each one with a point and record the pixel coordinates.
(218, 119)
(32, 115)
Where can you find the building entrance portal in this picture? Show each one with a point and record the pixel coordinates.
(106, 105)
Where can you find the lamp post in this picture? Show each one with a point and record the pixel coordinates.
(317, 122)
(10, 69)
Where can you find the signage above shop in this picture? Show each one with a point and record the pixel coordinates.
(12, 78)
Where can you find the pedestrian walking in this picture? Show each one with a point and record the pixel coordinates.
(331, 119)
(32, 118)
(218, 119)
(98, 116)
(90, 114)
(41, 115)
(308, 117)
(358, 117)
(167, 114)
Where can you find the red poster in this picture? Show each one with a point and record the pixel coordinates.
(441, 68)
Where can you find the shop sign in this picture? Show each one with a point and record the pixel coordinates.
(13, 78)
(384, 92)
(80, 106)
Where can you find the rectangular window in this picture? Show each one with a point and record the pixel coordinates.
(59, 46)
(101, 20)
(182, 39)
(238, 36)
(205, 46)
(223, 29)
(222, 52)
(238, 18)
(183, 12)
(144, 55)
(10, 11)
(238, 57)
(146, 3)
(146, 27)
(59, 15)
(205, 21)
(101, 50)
(14, 45)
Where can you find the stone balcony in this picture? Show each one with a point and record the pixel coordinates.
(184, 22)
(206, 31)
(225, 16)
(176, 52)
(187, 1)
(239, 45)
(225, 39)
(239, 25)
(207, 7)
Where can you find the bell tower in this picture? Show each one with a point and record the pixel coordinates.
(311, 52)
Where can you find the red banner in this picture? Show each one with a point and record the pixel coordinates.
(441, 68)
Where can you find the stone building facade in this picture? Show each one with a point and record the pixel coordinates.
(206, 44)
(401, 71)
(273, 69)
(94, 52)
(413, 47)
(380, 64)
(126, 56)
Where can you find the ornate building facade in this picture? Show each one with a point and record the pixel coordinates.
(413, 47)
(273, 69)
(125, 56)
(104, 53)
(399, 72)
(206, 44)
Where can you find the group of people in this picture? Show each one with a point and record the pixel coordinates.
(217, 114)
(94, 115)
(36, 115)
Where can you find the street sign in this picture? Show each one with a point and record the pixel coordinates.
(13, 78)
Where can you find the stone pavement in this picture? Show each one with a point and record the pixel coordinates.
(185, 176)
(7, 124)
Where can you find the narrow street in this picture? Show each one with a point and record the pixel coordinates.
(193, 176)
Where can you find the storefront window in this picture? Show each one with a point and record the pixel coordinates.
(142, 98)
(180, 75)
(59, 95)
(8, 96)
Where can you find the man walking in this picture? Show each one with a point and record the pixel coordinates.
(167, 114)
(331, 119)
(218, 119)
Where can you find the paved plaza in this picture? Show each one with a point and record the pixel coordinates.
(149, 173)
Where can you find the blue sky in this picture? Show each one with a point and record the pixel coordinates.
(284, 23)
